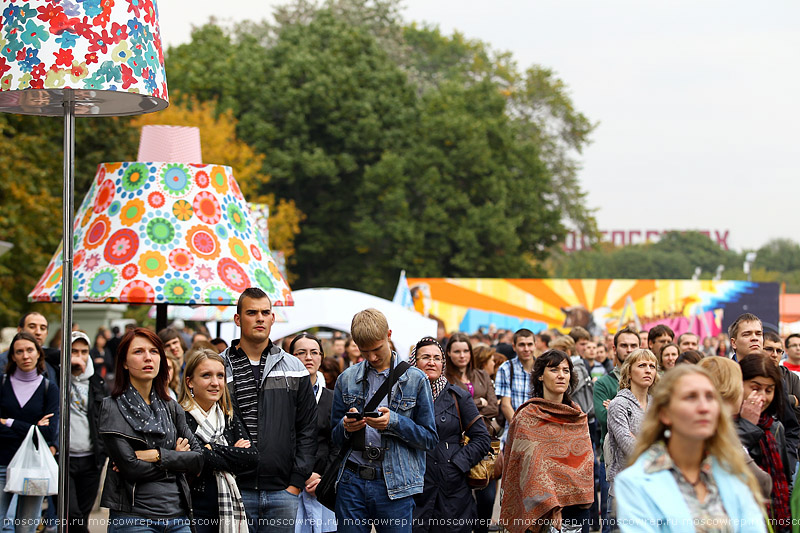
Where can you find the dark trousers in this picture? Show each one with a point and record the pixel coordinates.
(84, 480)
(485, 500)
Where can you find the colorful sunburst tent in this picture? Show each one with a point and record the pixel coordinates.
(172, 233)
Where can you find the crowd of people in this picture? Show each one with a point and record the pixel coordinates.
(639, 431)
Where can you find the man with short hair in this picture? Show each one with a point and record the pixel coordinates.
(219, 344)
(582, 366)
(688, 341)
(643, 338)
(792, 361)
(86, 452)
(173, 344)
(625, 341)
(271, 392)
(36, 324)
(338, 348)
(658, 337)
(385, 466)
(512, 381)
(747, 336)
(773, 347)
(542, 342)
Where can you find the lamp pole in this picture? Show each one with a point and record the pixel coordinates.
(66, 307)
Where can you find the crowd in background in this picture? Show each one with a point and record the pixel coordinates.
(599, 432)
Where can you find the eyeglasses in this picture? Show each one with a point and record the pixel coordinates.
(772, 349)
(303, 353)
(435, 358)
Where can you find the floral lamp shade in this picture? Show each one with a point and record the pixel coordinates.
(104, 55)
(169, 233)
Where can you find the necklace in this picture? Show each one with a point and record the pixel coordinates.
(694, 485)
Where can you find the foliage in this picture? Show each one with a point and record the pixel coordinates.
(393, 170)
(674, 256)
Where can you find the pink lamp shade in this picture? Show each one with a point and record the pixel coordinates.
(165, 233)
(176, 144)
(106, 56)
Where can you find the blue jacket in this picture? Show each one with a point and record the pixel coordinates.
(653, 502)
(411, 431)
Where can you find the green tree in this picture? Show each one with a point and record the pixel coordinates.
(674, 256)
(781, 255)
(391, 171)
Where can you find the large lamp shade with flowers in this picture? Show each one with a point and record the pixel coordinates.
(73, 58)
(165, 233)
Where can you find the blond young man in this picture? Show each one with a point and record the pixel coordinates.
(385, 464)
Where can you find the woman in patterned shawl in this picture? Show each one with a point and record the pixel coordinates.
(548, 478)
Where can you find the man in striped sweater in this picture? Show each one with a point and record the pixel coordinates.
(272, 393)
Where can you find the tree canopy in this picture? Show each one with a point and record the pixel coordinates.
(403, 148)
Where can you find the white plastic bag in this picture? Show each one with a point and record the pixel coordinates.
(33, 470)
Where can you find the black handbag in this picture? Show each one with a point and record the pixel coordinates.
(326, 489)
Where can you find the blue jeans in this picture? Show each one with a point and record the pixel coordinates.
(362, 503)
(122, 523)
(29, 508)
(270, 510)
(485, 500)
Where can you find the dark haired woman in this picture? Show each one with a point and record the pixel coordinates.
(352, 354)
(308, 349)
(151, 449)
(26, 398)
(226, 448)
(548, 477)
(461, 372)
(446, 493)
(762, 433)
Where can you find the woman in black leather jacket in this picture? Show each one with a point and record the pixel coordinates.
(150, 447)
(225, 444)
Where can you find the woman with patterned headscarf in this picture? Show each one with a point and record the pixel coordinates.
(446, 494)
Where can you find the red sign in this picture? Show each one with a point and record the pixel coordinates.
(575, 241)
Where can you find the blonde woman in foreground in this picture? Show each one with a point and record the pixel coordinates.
(688, 471)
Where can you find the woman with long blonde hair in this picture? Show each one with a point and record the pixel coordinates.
(226, 446)
(688, 472)
(637, 377)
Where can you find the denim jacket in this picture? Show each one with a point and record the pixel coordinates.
(411, 431)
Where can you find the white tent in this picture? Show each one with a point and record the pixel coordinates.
(334, 308)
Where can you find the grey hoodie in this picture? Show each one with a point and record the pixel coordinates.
(80, 442)
(625, 417)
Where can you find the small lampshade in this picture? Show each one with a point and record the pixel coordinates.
(104, 55)
(172, 233)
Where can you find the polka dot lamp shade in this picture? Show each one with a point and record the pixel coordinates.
(171, 233)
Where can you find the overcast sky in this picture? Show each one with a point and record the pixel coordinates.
(698, 103)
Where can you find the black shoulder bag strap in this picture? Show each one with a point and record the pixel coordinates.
(326, 490)
(382, 391)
